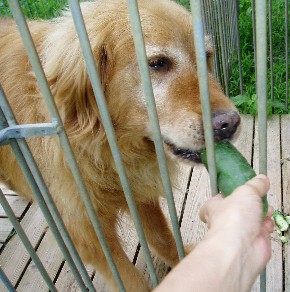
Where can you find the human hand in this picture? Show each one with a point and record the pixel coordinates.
(237, 220)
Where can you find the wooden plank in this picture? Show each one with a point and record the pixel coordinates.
(192, 229)
(274, 268)
(7, 191)
(17, 203)
(285, 133)
(244, 140)
(51, 257)
(66, 280)
(14, 258)
(5, 229)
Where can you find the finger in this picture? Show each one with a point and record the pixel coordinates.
(260, 184)
(270, 211)
(207, 208)
(268, 225)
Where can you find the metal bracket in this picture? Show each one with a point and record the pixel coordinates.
(29, 130)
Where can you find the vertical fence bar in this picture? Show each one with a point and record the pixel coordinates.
(261, 53)
(204, 92)
(26, 242)
(153, 118)
(222, 46)
(6, 281)
(218, 58)
(213, 38)
(261, 40)
(254, 35)
(105, 116)
(239, 51)
(271, 50)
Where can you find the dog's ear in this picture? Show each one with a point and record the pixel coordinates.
(209, 51)
(67, 75)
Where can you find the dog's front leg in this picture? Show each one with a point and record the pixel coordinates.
(158, 232)
(91, 252)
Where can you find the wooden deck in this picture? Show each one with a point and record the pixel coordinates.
(190, 194)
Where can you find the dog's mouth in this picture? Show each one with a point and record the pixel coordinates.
(189, 155)
(183, 153)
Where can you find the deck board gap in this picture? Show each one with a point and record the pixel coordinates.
(253, 141)
(30, 259)
(93, 275)
(24, 212)
(58, 272)
(185, 197)
(136, 254)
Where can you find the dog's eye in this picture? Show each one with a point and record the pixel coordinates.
(161, 64)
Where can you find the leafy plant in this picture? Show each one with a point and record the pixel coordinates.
(249, 105)
(36, 9)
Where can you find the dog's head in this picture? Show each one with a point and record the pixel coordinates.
(167, 29)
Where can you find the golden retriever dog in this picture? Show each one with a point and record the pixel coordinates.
(171, 59)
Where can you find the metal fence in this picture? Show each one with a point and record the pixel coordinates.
(218, 19)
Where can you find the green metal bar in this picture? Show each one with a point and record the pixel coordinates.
(214, 39)
(232, 31)
(204, 91)
(105, 116)
(153, 118)
(222, 46)
(254, 34)
(218, 58)
(26, 242)
(28, 130)
(261, 41)
(6, 281)
(239, 51)
(271, 50)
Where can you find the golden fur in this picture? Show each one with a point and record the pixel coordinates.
(168, 34)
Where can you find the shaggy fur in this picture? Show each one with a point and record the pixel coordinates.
(169, 45)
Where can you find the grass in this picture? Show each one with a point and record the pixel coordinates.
(246, 102)
(36, 9)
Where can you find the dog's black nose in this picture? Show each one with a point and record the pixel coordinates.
(225, 124)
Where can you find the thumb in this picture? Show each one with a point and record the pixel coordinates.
(208, 207)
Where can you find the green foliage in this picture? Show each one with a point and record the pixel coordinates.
(247, 102)
(185, 3)
(249, 105)
(36, 9)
